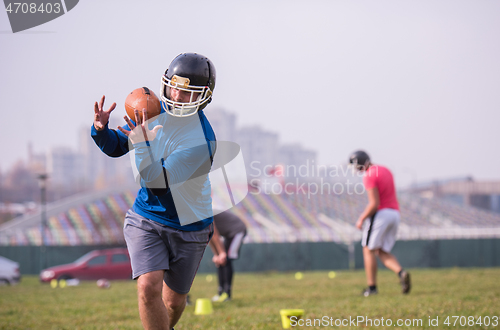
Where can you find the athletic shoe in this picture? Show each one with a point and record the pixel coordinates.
(369, 292)
(223, 297)
(405, 282)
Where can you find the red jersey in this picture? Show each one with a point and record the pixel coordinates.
(381, 178)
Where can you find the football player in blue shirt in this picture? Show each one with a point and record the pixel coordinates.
(171, 222)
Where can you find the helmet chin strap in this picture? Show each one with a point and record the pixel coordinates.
(180, 111)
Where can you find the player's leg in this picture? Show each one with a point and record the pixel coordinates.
(149, 258)
(174, 303)
(227, 271)
(186, 249)
(221, 275)
(233, 247)
(388, 237)
(389, 261)
(370, 261)
(369, 243)
(151, 308)
(224, 275)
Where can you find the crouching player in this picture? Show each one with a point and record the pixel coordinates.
(230, 231)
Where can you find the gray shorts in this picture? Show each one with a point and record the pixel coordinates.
(153, 246)
(380, 231)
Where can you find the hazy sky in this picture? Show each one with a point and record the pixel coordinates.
(415, 83)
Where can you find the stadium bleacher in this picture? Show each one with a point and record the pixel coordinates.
(98, 219)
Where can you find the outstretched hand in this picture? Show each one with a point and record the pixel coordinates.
(101, 117)
(141, 132)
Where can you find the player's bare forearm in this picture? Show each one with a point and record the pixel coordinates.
(215, 242)
(213, 247)
(369, 211)
(221, 251)
(371, 208)
(217, 248)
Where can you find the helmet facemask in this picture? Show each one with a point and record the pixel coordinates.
(194, 98)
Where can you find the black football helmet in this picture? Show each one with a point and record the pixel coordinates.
(193, 75)
(360, 160)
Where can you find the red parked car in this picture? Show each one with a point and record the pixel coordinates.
(112, 264)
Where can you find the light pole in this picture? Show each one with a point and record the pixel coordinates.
(42, 182)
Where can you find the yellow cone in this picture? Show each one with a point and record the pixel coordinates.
(53, 283)
(332, 274)
(286, 314)
(203, 307)
(299, 275)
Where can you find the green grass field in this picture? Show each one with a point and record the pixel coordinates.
(258, 298)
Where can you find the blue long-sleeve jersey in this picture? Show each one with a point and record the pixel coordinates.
(173, 169)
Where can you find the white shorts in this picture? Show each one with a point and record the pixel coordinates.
(379, 232)
(233, 245)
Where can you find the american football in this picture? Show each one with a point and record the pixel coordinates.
(142, 98)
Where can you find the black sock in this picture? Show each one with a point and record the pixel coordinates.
(400, 272)
(221, 275)
(228, 269)
(372, 287)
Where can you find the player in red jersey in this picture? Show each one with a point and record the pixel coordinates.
(382, 213)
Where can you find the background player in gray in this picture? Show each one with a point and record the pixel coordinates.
(232, 230)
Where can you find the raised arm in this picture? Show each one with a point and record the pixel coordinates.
(101, 117)
(110, 141)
